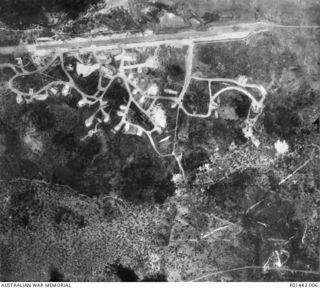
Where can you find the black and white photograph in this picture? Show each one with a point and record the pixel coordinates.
(160, 141)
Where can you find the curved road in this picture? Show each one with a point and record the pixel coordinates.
(188, 38)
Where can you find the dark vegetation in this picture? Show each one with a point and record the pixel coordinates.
(238, 58)
(41, 116)
(176, 71)
(146, 179)
(6, 73)
(56, 275)
(28, 63)
(197, 98)
(128, 275)
(195, 158)
(72, 7)
(55, 72)
(24, 206)
(229, 195)
(30, 12)
(242, 105)
(282, 122)
(138, 117)
(209, 17)
(110, 210)
(6, 269)
(201, 134)
(118, 19)
(172, 60)
(155, 278)
(104, 82)
(123, 273)
(88, 84)
(73, 172)
(116, 95)
(67, 216)
(284, 119)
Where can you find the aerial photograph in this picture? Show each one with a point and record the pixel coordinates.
(160, 141)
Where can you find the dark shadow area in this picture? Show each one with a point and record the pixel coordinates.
(123, 273)
(155, 278)
(56, 275)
